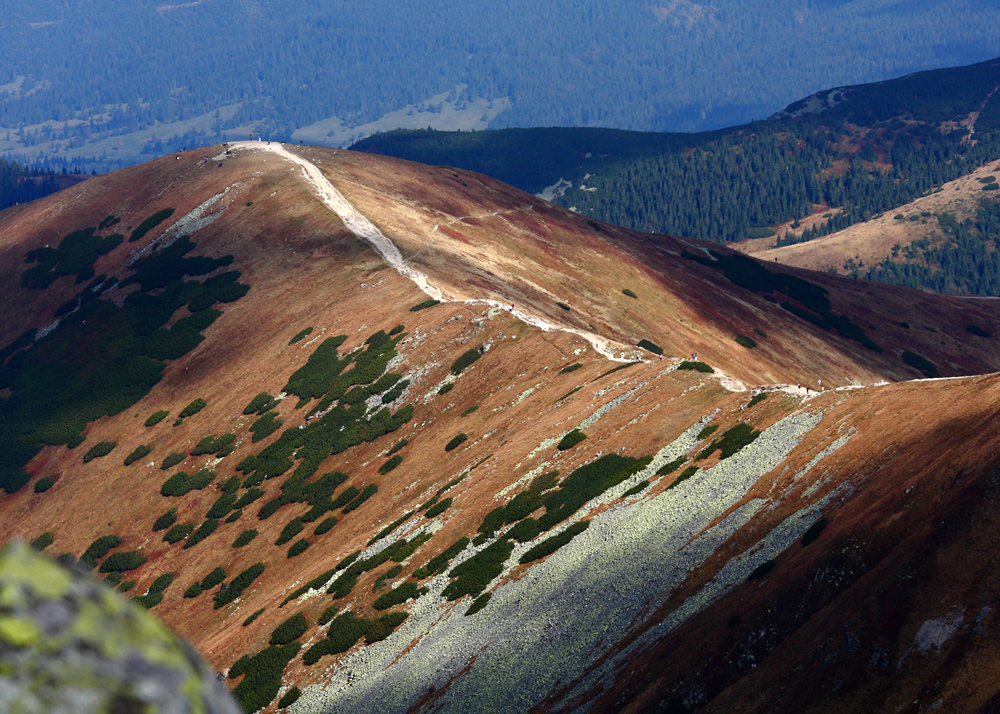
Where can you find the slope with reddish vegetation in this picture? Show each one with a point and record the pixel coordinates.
(467, 510)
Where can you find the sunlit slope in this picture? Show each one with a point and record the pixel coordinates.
(326, 481)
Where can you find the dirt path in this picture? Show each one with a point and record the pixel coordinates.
(364, 229)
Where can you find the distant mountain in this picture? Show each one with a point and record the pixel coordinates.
(382, 437)
(117, 82)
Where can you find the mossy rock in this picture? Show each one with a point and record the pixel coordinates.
(108, 655)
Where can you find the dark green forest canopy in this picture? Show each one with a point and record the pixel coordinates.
(20, 185)
(100, 358)
(865, 150)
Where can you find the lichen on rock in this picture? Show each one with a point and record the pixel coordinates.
(70, 644)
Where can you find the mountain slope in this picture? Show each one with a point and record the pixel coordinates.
(422, 470)
(827, 162)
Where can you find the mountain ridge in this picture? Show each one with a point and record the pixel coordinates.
(492, 406)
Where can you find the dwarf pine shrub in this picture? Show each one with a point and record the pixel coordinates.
(98, 450)
(140, 452)
(156, 417)
(571, 439)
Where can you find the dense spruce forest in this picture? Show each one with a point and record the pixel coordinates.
(19, 184)
(86, 71)
(964, 259)
(862, 150)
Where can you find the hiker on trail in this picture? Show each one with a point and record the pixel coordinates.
(512, 307)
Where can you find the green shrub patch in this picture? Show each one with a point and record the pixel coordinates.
(193, 591)
(398, 595)
(298, 337)
(162, 583)
(291, 529)
(260, 404)
(251, 495)
(43, 541)
(140, 452)
(181, 484)
(150, 223)
(289, 698)
(298, 548)
(264, 426)
(571, 368)
(446, 388)
(44, 484)
(650, 347)
(438, 508)
(213, 578)
(525, 530)
(638, 488)
(389, 465)
(465, 361)
(695, 366)
(74, 256)
(262, 676)
(222, 506)
(178, 532)
(629, 293)
(347, 629)
(920, 362)
(325, 526)
(456, 441)
(233, 517)
(685, 475)
(474, 408)
(245, 537)
(99, 548)
(193, 408)
(398, 446)
(476, 573)
(206, 529)
(672, 466)
(707, 431)
(391, 527)
(745, 341)
(238, 584)
(977, 331)
(571, 439)
(587, 482)
(122, 561)
(424, 305)
(812, 533)
(221, 446)
(732, 441)
(172, 460)
(246, 623)
(366, 493)
(440, 562)
(757, 399)
(761, 570)
(551, 545)
(290, 630)
(99, 450)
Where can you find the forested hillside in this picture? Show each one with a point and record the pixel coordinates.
(18, 184)
(841, 156)
(88, 75)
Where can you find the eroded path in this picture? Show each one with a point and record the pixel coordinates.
(367, 231)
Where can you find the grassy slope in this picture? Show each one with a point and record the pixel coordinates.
(305, 270)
